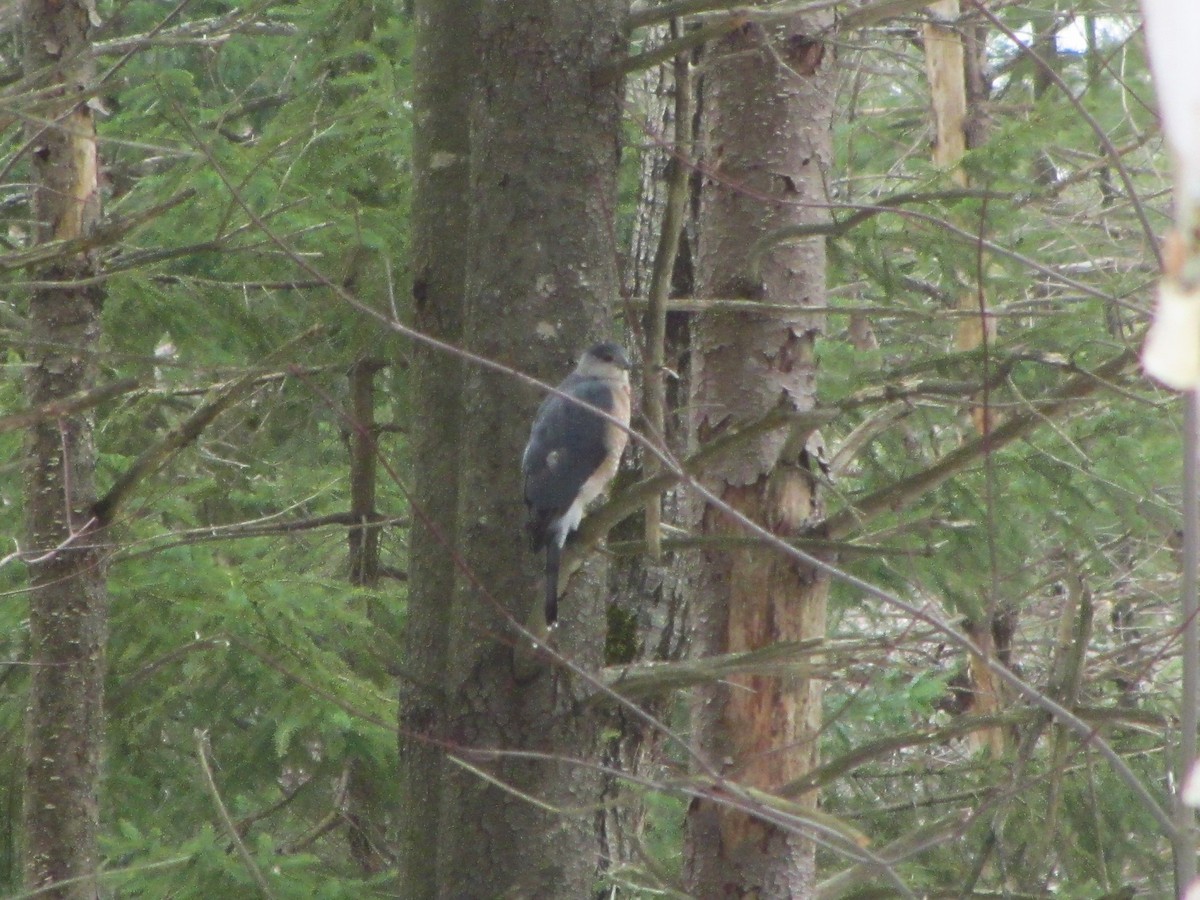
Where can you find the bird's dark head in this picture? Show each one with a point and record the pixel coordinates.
(603, 357)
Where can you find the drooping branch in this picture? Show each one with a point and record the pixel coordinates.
(104, 235)
(841, 549)
(793, 815)
(186, 432)
(203, 750)
(645, 14)
(244, 530)
(874, 13)
(910, 844)
(907, 491)
(667, 50)
(211, 32)
(931, 734)
(742, 304)
(68, 406)
(802, 232)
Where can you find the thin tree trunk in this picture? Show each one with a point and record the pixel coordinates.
(647, 611)
(767, 109)
(361, 808)
(1171, 28)
(542, 277)
(953, 77)
(443, 66)
(363, 539)
(68, 597)
(947, 86)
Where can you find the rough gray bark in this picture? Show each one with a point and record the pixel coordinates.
(649, 97)
(443, 67)
(64, 552)
(540, 284)
(767, 107)
(647, 615)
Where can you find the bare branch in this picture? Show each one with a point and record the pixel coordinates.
(902, 848)
(667, 50)
(105, 235)
(210, 32)
(243, 530)
(68, 405)
(784, 658)
(629, 500)
(202, 752)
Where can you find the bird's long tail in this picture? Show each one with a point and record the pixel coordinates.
(553, 554)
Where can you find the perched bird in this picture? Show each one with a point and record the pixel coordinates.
(573, 453)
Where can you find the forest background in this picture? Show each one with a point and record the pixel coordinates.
(990, 460)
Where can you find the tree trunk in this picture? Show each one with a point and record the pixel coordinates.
(443, 66)
(68, 598)
(767, 109)
(363, 537)
(953, 78)
(542, 246)
(360, 807)
(649, 598)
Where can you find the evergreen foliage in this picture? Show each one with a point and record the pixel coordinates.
(293, 118)
(289, 124)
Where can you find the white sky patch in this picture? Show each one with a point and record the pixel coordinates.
(1109, 30)
(1072, 37)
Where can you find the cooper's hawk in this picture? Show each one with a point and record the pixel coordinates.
(573, 453)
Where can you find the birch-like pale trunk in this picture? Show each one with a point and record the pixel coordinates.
(1172, 352)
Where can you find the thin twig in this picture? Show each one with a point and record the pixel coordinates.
(107, 234)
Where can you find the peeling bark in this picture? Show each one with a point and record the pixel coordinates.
(768, 101)
(947, 86)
